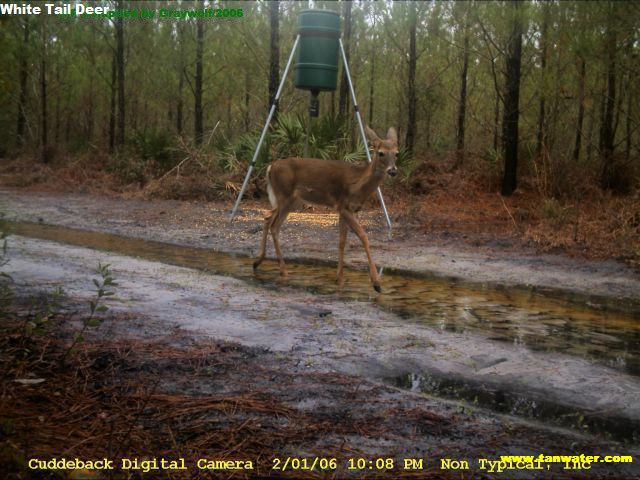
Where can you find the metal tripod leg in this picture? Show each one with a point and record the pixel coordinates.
(264, 130)
(364, 137)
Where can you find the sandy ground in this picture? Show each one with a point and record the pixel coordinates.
(324, 335)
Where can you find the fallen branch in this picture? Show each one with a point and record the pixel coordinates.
(507, 209)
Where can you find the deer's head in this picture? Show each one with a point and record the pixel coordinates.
(385, 152)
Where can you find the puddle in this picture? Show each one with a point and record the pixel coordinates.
(518, 316)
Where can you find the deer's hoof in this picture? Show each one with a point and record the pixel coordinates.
(377, 288)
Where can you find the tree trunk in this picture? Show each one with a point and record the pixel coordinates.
(621, 94)
(199, 124)
(133, 113)
(590, 131)
(511, 104)
(496, 123)
(120, 70)
(68, 111)
(22, 106)
(411, 80)
(230, 101)
(627, 150)
(112, 109)
(56, 130)
(427, 135)
(181, 74)
(462, 105)
(333, 104)
(371, 83)
(496, 89)
(180, 105)
(343, 98)
(372, 74)
(43, 95)
(496, 107)
(607, 135)
(89, 108)
(247, 98)
(583, 72)
(541, 136)
(274, 58)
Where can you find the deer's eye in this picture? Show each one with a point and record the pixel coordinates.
(381, 153)
(396, 154)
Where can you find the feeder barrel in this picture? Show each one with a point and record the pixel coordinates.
(317, 65)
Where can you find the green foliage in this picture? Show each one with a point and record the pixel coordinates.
(128, 169)
(406, 163)
(357, 155)
(486, 168)
(327, 139)
(156, 145)
(289, 135)
(78, 60)
(240, 153)
(104, 287)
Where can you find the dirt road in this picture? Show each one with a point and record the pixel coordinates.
(303, 333)
(314, 235)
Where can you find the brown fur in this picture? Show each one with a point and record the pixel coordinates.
(332, 183)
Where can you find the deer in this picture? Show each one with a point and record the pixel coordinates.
(339, 185)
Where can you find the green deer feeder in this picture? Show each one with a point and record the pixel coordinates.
(317, 44)
(317, 66)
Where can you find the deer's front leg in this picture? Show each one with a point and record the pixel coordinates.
(359, 231)
(275, 233)
(268, 221)
(342, 225)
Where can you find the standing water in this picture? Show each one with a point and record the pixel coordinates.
(523, 317)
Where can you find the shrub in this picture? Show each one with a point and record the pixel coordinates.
(128, 169)
(156, 145)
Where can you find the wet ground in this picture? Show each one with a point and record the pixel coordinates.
(312, 235)
(539, 353)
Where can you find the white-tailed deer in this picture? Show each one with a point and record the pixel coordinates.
(332, 183)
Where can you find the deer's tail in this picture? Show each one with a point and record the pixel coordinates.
(272, 196)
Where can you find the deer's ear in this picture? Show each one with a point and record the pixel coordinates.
(371, 135)
(392, 135)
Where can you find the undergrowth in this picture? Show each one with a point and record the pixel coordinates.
(554, 208)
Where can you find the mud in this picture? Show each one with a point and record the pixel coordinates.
(313, 235)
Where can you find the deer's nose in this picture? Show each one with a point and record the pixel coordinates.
(393, 171)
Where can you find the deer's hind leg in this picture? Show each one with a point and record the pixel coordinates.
(268, 221)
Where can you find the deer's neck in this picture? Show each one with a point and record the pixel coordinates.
(372, 178)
